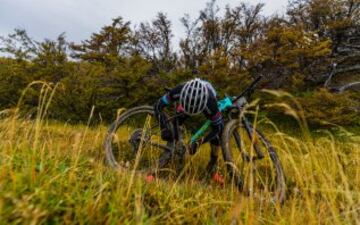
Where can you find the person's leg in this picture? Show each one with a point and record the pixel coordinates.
(180, 157)
(212, 165)
(176, 138)
(214, 154)
(180, 146)
(165, 157)
(168, 135)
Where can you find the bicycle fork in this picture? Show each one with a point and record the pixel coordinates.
(250, 132)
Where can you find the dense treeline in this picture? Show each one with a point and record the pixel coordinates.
(312, 52)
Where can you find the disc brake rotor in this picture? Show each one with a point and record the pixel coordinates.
(137, 137)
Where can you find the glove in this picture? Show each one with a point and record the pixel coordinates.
(194, 146)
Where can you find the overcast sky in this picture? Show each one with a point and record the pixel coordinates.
(79, 18)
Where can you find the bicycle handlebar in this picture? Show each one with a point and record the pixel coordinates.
(248, 89)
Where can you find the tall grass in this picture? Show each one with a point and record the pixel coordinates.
(55, 173)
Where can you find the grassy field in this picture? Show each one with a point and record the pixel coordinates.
(53, 173)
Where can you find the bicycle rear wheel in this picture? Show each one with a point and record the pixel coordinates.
(252, 161)
(133, 141)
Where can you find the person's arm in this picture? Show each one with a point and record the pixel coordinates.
(164, 101)
(217, 124)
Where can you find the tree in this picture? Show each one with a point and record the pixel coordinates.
(338, 21)
(14, 77)
(211, 34)
(19, 45)
(108, 47)
(153, 42)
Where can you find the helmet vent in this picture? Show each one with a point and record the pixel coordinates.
(193, 96)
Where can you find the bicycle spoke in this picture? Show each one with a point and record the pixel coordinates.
(253, 160)
(135, 140)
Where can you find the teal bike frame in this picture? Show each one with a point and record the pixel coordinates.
(223, 105)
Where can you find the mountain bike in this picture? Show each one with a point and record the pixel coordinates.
(133, 141)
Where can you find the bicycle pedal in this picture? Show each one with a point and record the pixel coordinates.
(240, 185)
(254, 158)
(246, 158)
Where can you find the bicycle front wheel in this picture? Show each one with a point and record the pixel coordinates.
(252, 161)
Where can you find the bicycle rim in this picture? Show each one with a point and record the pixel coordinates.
(130, 140)
(261, 178)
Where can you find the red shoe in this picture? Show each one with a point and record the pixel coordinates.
(149, 178)
(218, 178)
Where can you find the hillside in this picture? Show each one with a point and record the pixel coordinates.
(55, 173)
(58, 97)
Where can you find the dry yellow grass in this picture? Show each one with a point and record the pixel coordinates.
(55, 173)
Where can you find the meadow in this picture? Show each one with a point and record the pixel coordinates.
(56, 173)
(58, 96)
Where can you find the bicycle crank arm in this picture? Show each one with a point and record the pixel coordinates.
(161, 146)
(246, 157)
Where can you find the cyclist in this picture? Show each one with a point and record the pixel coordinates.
(193, 97)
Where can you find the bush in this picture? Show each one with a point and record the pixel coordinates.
(322, 107)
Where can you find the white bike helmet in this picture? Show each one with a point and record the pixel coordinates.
(194, 96)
